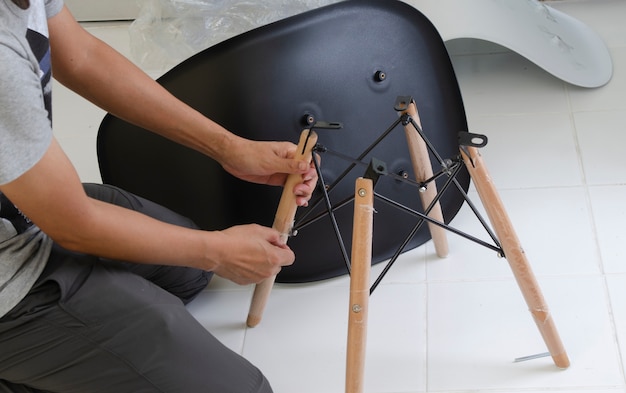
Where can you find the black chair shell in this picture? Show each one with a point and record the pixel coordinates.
(260, 84)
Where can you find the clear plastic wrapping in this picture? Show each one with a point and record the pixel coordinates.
(168, 31)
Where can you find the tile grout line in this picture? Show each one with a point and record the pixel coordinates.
(594, 230)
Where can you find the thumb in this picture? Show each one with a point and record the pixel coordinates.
(293, 165)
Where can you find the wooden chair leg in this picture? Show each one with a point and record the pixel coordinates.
(515, 255)
(283, 222)
(359, 284)
(424, 171)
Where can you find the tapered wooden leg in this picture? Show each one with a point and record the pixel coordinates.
(283, 222)
(359, 284)
(423, 171)
(515, 255)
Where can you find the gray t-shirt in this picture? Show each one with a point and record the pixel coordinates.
(25, 134)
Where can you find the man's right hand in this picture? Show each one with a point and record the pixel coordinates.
(250, 253)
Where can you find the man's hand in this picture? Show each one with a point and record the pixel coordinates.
(95, 71)
(270, 163)
(250, 254)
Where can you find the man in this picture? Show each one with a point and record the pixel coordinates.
(93, 280)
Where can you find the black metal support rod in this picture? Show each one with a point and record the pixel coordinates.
(479, 216)
(422, 217)
(331, 215)
(304, 221)
(439, 194)
(363, 154)
(353, 163)
(448, 170)
(369, 149)
(447, 227)
(313, 204)
(431, 148)
(301, 223)
(396, 255)
(444, 172)
(356, 162)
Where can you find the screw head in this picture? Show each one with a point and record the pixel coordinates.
(380, 76)
(308, 119)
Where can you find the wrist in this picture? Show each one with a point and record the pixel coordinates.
(213, 246)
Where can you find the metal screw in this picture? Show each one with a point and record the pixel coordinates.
(447, 166)
(380, 76)
(308, 119)
(357, 308)
(362, 192)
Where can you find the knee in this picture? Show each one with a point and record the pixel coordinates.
(189, 289)
(264, 386)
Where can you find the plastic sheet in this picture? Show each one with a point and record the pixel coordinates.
(168, 31)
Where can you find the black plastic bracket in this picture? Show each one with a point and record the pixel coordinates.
(402, 103)
(473, 140)
(375, 170)
(326, 125)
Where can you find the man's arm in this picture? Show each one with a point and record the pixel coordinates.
(99, 73)
(51, 195)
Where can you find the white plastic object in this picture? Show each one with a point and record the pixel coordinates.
(560, 44)
(168, 31)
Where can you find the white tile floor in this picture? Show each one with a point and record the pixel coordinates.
(556, 153)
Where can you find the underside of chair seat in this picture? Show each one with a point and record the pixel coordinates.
(325, 63)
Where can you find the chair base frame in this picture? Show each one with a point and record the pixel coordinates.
(505, 240)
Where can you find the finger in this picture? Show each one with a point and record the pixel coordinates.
(282, 256)
(298, 166)
(306, 187)
(285, 153)
(285, 256)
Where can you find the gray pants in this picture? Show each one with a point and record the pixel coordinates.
(93, 325)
